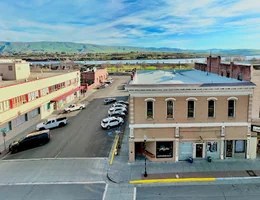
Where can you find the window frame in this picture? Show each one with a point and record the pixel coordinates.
(194, 108)
(234, 109)
(172, 110)
(214, 108)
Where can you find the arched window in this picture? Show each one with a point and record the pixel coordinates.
(239, 77)
(170, 109)
(228, 74)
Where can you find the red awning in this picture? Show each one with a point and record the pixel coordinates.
(66, 94)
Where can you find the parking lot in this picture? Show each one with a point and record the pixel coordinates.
(83, 136)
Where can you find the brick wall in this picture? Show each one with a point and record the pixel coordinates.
(215, 66)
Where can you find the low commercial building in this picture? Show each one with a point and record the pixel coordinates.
(243, 72)
(189, 113)
(94, 77)
(27, 97)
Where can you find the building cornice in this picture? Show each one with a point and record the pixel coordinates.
(189, 125)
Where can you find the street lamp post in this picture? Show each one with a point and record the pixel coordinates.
(145, 172)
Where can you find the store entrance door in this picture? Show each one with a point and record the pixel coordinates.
(199, 150)
(229, 148)
(138, 148)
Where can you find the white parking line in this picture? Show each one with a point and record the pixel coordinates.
(55, 183)
(134, 197)
(38, 159)
(105, 192)
(58, 154)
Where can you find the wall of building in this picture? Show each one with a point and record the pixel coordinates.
(27, 87)
(22, 70)
(255, 74)
(201, 110)
(215, 66)
(6, 73)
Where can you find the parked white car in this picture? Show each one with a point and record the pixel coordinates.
(109, 122)
(118, 105)
(123, 102)
(114, 109)
(74, 107)
(52, 123)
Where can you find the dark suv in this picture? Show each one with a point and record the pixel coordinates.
(30, 141)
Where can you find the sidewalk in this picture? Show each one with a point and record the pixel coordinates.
(121, 171)
(56, 113)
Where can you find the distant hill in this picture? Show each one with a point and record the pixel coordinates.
(70, 47)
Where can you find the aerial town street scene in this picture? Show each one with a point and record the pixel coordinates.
(129, 100)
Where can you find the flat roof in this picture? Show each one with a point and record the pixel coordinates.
(180, 77)
(33, 77)
(13, 61)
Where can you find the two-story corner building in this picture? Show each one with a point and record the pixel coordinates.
(189, 113)
(27, 97)
(241, 71)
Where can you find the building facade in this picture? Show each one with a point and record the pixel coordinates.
(182, 114)
(93, 76)
(23, 102)
(240, 71)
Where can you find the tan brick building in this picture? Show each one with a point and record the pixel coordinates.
(189, 113)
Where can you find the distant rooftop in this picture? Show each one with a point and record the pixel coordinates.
(33, 76)
(12, 61)
(180, 77)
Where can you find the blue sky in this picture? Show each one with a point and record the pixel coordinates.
(187, 24)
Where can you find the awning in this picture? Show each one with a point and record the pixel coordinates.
(66, 94)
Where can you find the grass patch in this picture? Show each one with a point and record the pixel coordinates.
(139, 67)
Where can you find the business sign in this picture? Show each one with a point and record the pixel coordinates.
(3, 130)
(255, 128)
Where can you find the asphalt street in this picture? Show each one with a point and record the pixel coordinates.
(83, 136)
(200, 192)
(55, 192)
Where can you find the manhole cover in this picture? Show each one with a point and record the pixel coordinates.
(251, 173)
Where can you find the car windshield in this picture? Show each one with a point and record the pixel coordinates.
(104, 121)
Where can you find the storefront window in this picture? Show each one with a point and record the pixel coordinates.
(212, 147)
(240, 146)
(164, 149)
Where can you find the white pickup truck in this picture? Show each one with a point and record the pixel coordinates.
(52, 123)
(74, 107)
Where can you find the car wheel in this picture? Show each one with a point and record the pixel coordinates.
(61, 124)
(42, 129)
(81, 108)
(108, 127)
(14, 150)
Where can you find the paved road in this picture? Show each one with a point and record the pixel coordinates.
(83, 136)
(54, 192)
(200, 192)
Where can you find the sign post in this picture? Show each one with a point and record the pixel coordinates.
(4, 135)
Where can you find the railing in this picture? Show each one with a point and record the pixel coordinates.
(150, 154)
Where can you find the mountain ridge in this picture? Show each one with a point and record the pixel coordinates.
(72, 47)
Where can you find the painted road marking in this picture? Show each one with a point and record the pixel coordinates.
(134, 197)
(114, 149)
(39, 159)
(58, 154)
(105, 192)
(55, 183)
(171, 180)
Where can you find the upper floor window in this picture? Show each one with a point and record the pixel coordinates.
(170, 109)
(149, 109)
(33, 95)
(231, 108)
(10, 68)
(228, 74)
(239, 77)
(211, 108)
(44, 91)
(191, 109)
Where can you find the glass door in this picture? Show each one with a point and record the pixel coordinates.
(199, 150)
(229, 148)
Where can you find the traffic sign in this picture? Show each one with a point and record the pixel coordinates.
(3, 130)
